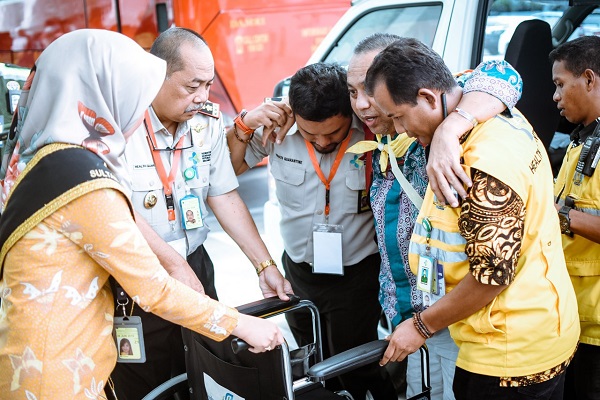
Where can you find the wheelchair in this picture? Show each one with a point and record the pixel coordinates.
(224, 370)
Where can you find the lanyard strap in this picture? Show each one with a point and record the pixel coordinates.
(369, 159)
(167, 181)
(410, 191)
(334, 167)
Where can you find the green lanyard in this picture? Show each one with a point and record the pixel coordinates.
(427, 225)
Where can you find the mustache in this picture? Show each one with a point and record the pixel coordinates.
(194, 107)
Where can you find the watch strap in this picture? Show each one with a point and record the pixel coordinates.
(239, 122)
(565, 226)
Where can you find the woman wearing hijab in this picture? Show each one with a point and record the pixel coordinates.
(67, 225)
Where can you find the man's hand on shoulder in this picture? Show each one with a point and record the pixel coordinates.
(443, 167)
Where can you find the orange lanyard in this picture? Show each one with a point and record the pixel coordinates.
(167, 181)
(334, 167)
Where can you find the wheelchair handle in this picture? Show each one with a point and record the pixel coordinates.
(263, 308)
(238, 345)
(270, 306)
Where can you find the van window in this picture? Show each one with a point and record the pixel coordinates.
(505, 16)
(589, 26)
(419, 22)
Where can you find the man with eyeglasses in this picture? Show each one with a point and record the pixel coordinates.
(179, 162)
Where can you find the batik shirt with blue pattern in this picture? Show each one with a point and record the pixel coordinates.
(395, 214)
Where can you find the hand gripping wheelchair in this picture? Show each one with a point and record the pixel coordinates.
(224, 370)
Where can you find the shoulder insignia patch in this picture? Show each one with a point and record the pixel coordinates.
(211, 109)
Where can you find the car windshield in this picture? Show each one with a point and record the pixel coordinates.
(419, 22)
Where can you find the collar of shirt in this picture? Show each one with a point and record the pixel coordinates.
(581, 133)
(163, 136)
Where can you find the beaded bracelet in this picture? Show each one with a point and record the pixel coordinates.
(235, 132)
(420, 326)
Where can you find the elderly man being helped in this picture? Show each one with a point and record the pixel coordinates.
(509, 300)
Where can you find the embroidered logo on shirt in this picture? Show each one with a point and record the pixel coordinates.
(357, 161)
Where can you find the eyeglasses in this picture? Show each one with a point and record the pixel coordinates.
(153, 145)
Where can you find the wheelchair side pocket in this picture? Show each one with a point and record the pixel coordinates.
(224, 378)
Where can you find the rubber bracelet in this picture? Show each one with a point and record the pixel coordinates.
(261, 267)
(238, 121)
(467, 116)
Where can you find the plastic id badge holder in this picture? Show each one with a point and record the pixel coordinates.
(327, 249)
(129, 338)
(430, 274)
(427, 273)
(191, 215)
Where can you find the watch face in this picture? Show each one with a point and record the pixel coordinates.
(564, 223)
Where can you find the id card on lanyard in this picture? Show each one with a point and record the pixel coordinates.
(430, 275)
(167, 181)
(327, 239)
(327, 249)
(128, 332)
(190, 212)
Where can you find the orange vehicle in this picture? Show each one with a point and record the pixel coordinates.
(255, 43)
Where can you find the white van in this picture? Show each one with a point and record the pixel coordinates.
(464, 33)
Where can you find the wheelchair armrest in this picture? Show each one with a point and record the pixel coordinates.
(347, 361)
(264, 307)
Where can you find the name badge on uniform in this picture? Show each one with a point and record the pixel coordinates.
(129, 338)
(191, 216)
(364, 201)
(327, 249)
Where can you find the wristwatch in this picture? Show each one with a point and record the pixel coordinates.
(565, 221)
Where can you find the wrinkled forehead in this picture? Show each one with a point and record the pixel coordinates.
(196, 60)
(358, 66)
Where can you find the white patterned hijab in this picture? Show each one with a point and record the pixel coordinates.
(89, 87)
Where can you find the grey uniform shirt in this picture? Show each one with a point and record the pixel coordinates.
(301, 195)
(204, 150)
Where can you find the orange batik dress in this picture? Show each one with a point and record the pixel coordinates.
(56, 316)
